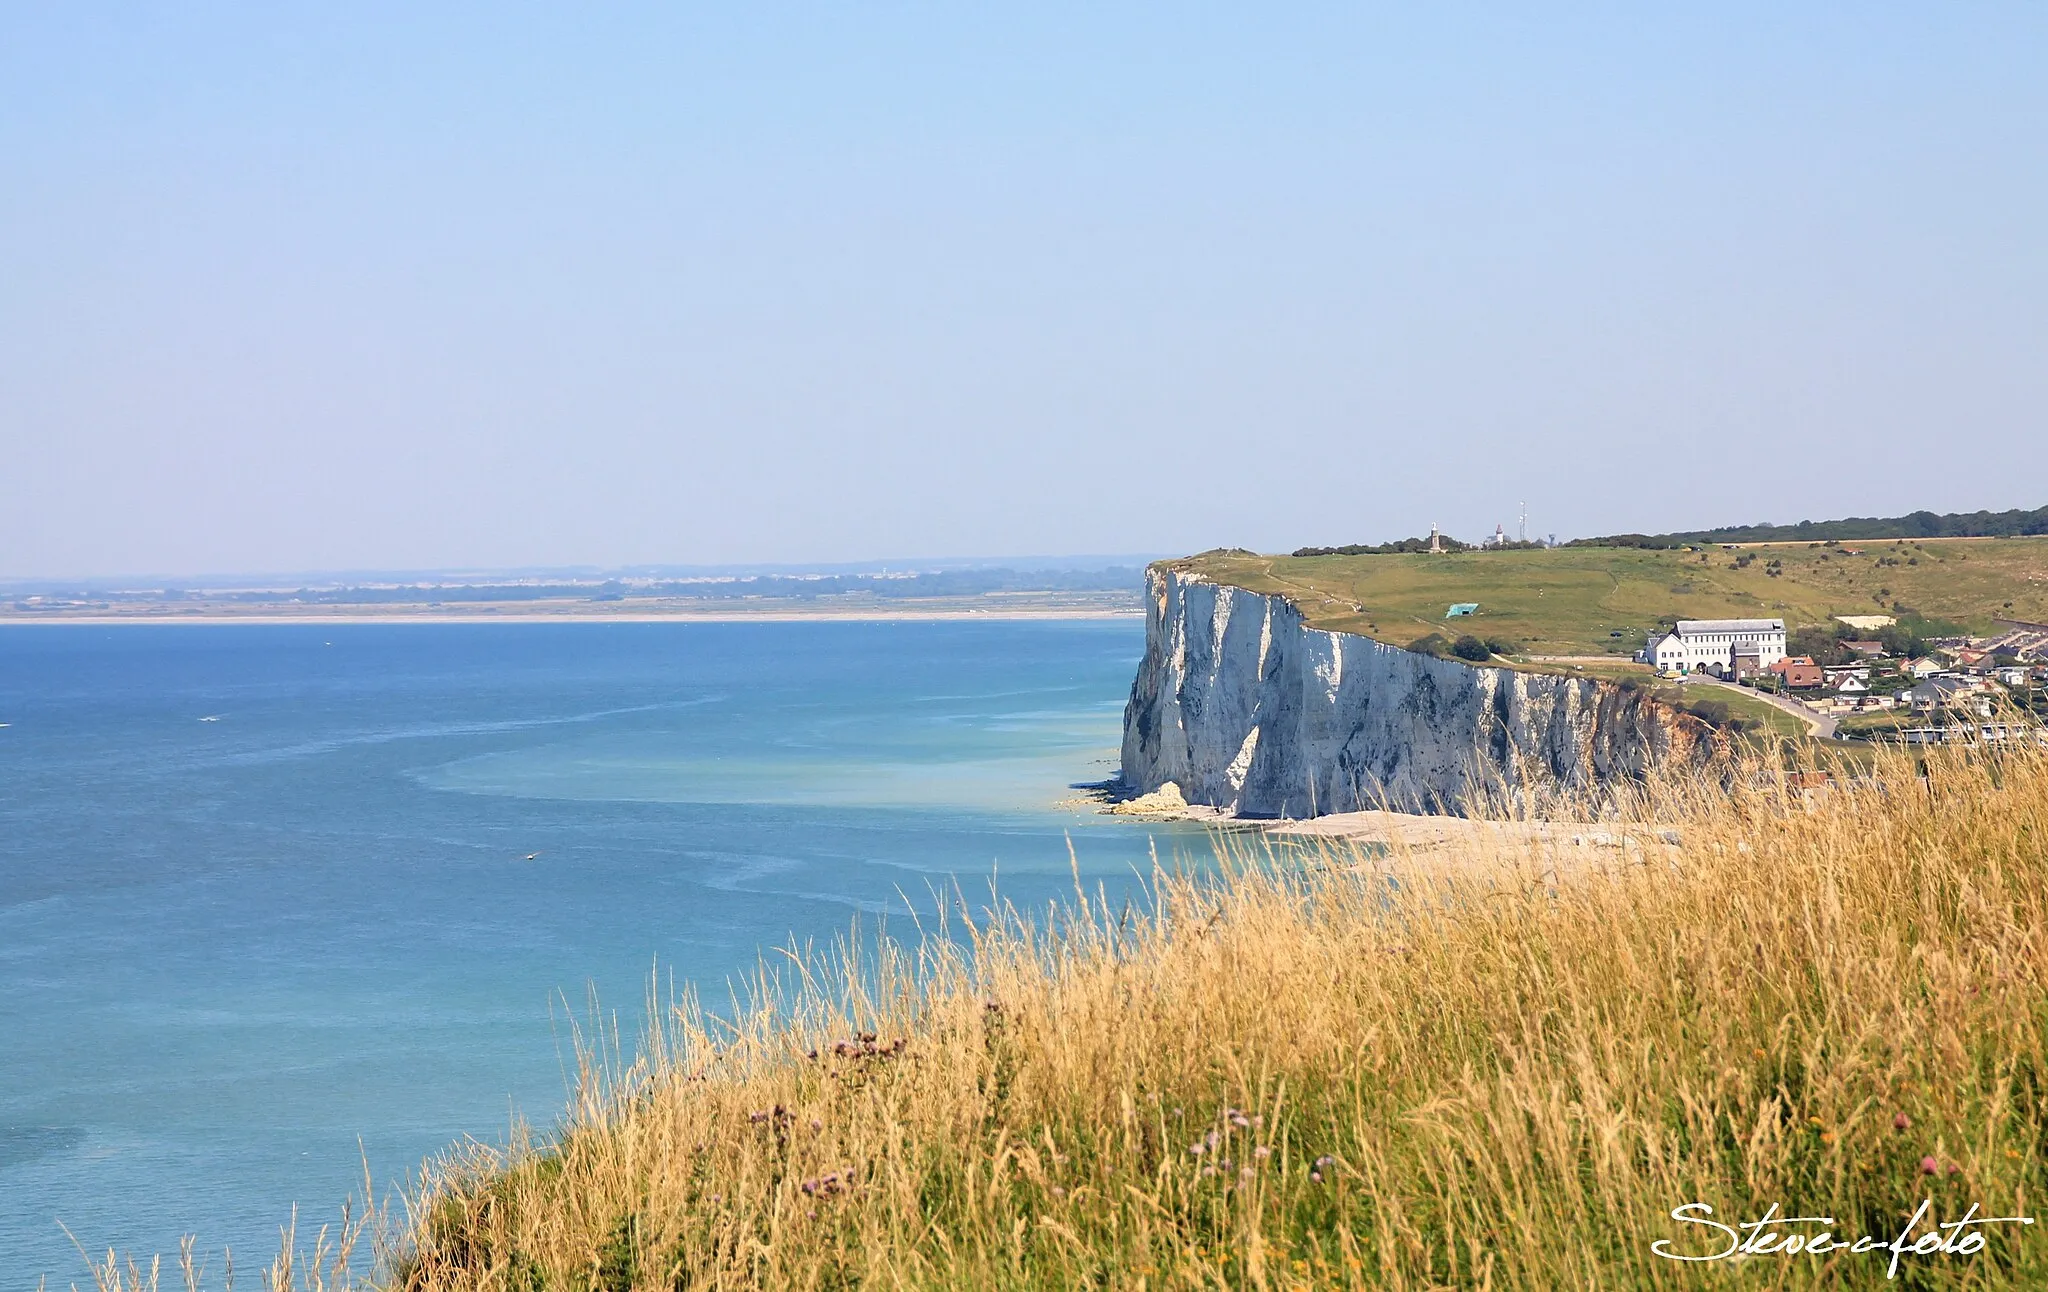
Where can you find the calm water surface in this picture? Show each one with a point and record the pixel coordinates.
(264, 902)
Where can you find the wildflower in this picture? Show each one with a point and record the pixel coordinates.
(1928, 1166)
(1901, 1122)
(1262, 1152)
(1246, 1173)
(1316, 1176)
(1198, 1148)
(1208, 1170)
(817, 1125)
(1058, 1192)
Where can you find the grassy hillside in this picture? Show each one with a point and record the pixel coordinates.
(1505, 1071)
(1567, 601)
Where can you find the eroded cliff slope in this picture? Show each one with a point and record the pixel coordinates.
(1248, 709)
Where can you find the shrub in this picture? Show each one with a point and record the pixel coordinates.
(1433, 644)
(1471, 648)
(1503, 647)
(1712, 712)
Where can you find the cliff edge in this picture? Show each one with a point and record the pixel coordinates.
(1249, 710)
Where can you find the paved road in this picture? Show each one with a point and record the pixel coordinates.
(1820, 724)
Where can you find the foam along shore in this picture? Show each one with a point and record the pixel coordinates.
(1404, 831)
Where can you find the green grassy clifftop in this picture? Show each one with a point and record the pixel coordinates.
(1571, 600)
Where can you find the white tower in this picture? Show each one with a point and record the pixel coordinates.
(1523, 535)
(1436, 544)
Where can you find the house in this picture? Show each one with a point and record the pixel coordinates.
(1798, 672)
(1923, 668)
(1836, 672)
(2010, 675)
(1712, 645)
(1868, 650)
(1949, 691)
(1461, 609)
(1850, 684)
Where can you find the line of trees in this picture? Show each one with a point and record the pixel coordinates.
(1385, 549)
(1919, 524)
(1416, 545)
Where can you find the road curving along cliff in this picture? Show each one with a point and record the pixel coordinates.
(1245, 708)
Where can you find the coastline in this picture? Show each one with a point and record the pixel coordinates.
(1418, 832)
(638, 617)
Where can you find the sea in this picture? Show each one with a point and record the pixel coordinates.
(282, 901)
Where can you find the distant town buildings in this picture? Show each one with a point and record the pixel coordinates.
(1963, 689)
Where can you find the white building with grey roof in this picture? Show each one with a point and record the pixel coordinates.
(1722, 647)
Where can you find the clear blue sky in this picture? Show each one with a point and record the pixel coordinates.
(426, 285)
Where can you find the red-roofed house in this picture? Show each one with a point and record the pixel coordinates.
(1798, 672)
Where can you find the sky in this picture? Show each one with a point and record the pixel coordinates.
(363, 286)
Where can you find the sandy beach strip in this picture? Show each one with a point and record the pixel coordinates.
(1412, 832)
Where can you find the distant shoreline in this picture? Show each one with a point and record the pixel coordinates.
(682, 616)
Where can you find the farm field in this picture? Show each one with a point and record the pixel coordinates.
(1572, 601)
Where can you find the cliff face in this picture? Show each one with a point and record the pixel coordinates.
(1248, 709)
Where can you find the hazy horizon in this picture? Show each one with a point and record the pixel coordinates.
(1023, 563)
(397, 289)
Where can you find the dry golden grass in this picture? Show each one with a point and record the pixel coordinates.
(1504, 1074)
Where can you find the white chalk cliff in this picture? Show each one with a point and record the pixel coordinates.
(1248, 709)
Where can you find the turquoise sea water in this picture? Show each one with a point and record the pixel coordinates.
(264, 902)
